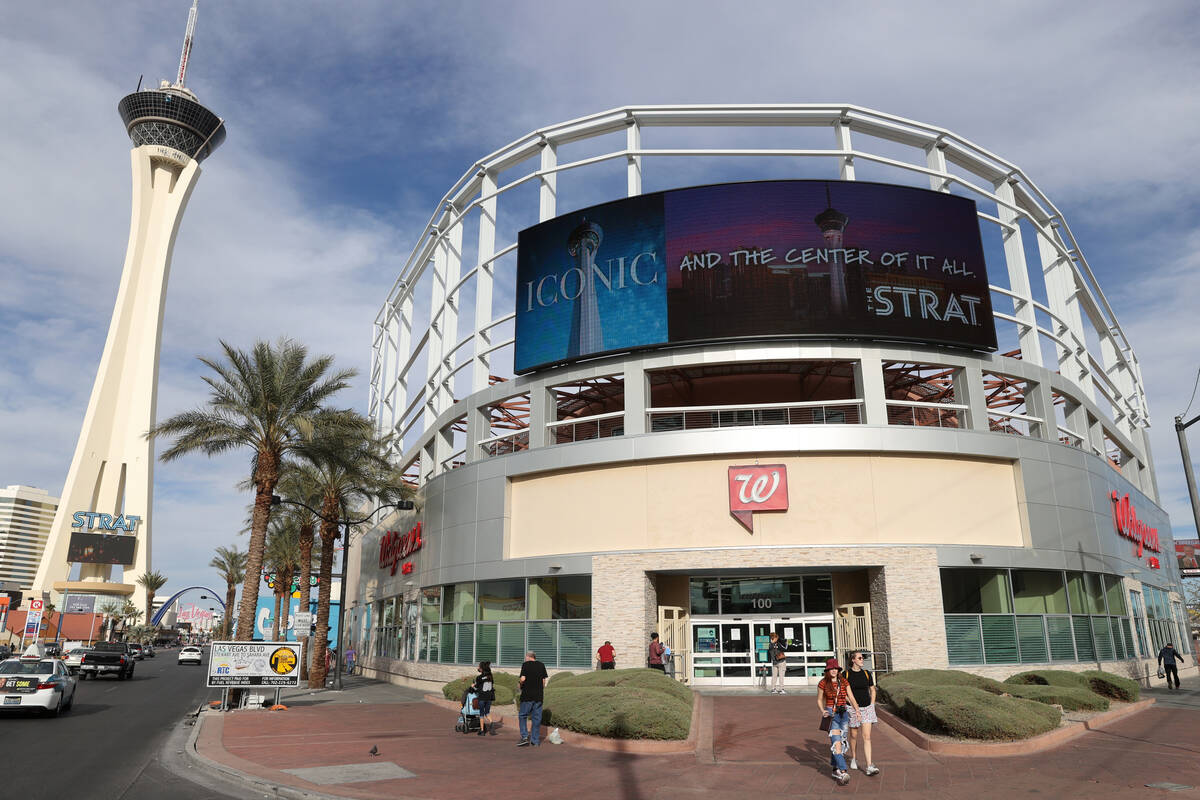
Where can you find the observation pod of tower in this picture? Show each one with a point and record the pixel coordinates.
(105, 516)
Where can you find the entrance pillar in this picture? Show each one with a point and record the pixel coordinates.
(906, 611)
(624, 609)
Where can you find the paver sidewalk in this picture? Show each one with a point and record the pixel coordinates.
(763, 744)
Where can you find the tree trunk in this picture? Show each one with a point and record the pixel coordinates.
(266, 476)
(278, 604)
(329, 532)
(306, 546)
(230, 597)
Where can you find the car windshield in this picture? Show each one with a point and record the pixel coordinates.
(191, 650)
(26, 667)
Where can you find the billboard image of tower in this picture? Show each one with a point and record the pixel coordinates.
(104, 516)
(586, 333)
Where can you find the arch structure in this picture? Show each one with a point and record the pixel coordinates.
(162, 611)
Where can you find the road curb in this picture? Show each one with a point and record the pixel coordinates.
(1038, 744)
(255, 782)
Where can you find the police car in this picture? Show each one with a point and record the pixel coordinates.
(35, 681)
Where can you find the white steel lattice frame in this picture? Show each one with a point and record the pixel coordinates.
(409, 404)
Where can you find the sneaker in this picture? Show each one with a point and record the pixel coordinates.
(872, 769)
(523, 743)
(781, 691)
(853, 763)
(842, 777)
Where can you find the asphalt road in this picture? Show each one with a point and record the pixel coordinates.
(114, 742)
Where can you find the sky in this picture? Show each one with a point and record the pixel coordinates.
(348, 121)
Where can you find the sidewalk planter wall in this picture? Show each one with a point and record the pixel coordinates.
(620, 704)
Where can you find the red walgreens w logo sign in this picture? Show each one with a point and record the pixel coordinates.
(757, 487)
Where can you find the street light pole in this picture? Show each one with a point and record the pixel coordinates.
(1180, 428)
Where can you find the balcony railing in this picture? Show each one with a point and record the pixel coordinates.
(821, 412)
(1012, 424)
(505, 443)
(578, 429)
(926, 415)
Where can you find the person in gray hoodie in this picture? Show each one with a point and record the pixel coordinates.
(1166, 660)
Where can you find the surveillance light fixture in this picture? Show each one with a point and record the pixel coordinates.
(976, 557)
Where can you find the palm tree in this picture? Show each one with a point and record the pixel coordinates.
(111, 610)
(283, 558)
(346, 470)
(265, 401)
(230, 564)
(300, 483)
(151, 582)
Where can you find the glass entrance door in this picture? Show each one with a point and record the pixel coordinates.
(734, 653)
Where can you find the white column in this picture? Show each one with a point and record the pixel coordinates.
(633, 169)
(1018, 274)
(433, 346)
(841, 130)
(548, 194)
(637, 398)
(935, 159)
(1061, 295)
(452, 241)
(868, 385)
(481, 370)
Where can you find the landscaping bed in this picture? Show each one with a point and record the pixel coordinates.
(617, 704)
(960, 705)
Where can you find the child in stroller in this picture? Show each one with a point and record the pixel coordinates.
(468, 716)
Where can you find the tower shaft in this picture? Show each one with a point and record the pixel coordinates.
(112, 471)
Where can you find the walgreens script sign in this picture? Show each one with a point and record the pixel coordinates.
(757, 487)
(396, 546)
(1129, 526)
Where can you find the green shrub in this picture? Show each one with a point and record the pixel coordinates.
(1051, 677)
(1107, 684)
(506, 688)
(944, 677)
(628, 711)
(637, 678)
(1070, 698)
(966, 712)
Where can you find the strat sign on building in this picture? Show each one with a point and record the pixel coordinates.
(396, 546)
(1129, 526)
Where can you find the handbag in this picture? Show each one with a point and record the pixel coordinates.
(826, 723)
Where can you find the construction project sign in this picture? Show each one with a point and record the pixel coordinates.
(274, 664)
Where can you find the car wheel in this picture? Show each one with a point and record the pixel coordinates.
(70, 703)
(54, 712)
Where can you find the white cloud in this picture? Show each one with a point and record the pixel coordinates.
(348, 121)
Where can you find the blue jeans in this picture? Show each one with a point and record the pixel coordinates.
(841, 724)
(530, 710)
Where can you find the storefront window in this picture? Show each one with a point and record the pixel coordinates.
(704, 596)
(1116, 596)
(782, 595)
(568, 597)
(498, 600)
(818, 594)
(459, 603)
(431, 604)
(1095, 593)
(1039, 592)
(975, 591)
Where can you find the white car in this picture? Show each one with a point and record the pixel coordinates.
(36, 683)
(74, 658)
(190, 655)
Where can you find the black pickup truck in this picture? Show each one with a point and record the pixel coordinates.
(108, 658)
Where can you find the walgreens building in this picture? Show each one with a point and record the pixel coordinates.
(724, 371)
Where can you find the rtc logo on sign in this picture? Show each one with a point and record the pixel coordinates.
(757, 487)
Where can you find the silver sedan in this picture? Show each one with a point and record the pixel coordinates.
(43, 684)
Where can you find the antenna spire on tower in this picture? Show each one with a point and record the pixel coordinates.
(187, 46)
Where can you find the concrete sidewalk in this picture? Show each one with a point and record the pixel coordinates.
(765, 744)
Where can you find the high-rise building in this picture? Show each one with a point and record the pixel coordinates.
(105, 516)
(25, 516)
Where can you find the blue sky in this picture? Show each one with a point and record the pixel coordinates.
(348, 121)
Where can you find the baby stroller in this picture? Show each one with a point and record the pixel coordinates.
(468, 716)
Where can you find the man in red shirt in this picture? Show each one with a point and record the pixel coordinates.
(608, 656)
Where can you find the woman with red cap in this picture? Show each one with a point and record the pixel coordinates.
(832, 699)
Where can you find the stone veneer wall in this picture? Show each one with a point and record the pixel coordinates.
(905, 586)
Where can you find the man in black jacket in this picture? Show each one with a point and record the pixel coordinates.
(1166, 660)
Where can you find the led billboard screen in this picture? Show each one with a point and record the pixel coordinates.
(97, 548)
(816, 259)
(1187, 552)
